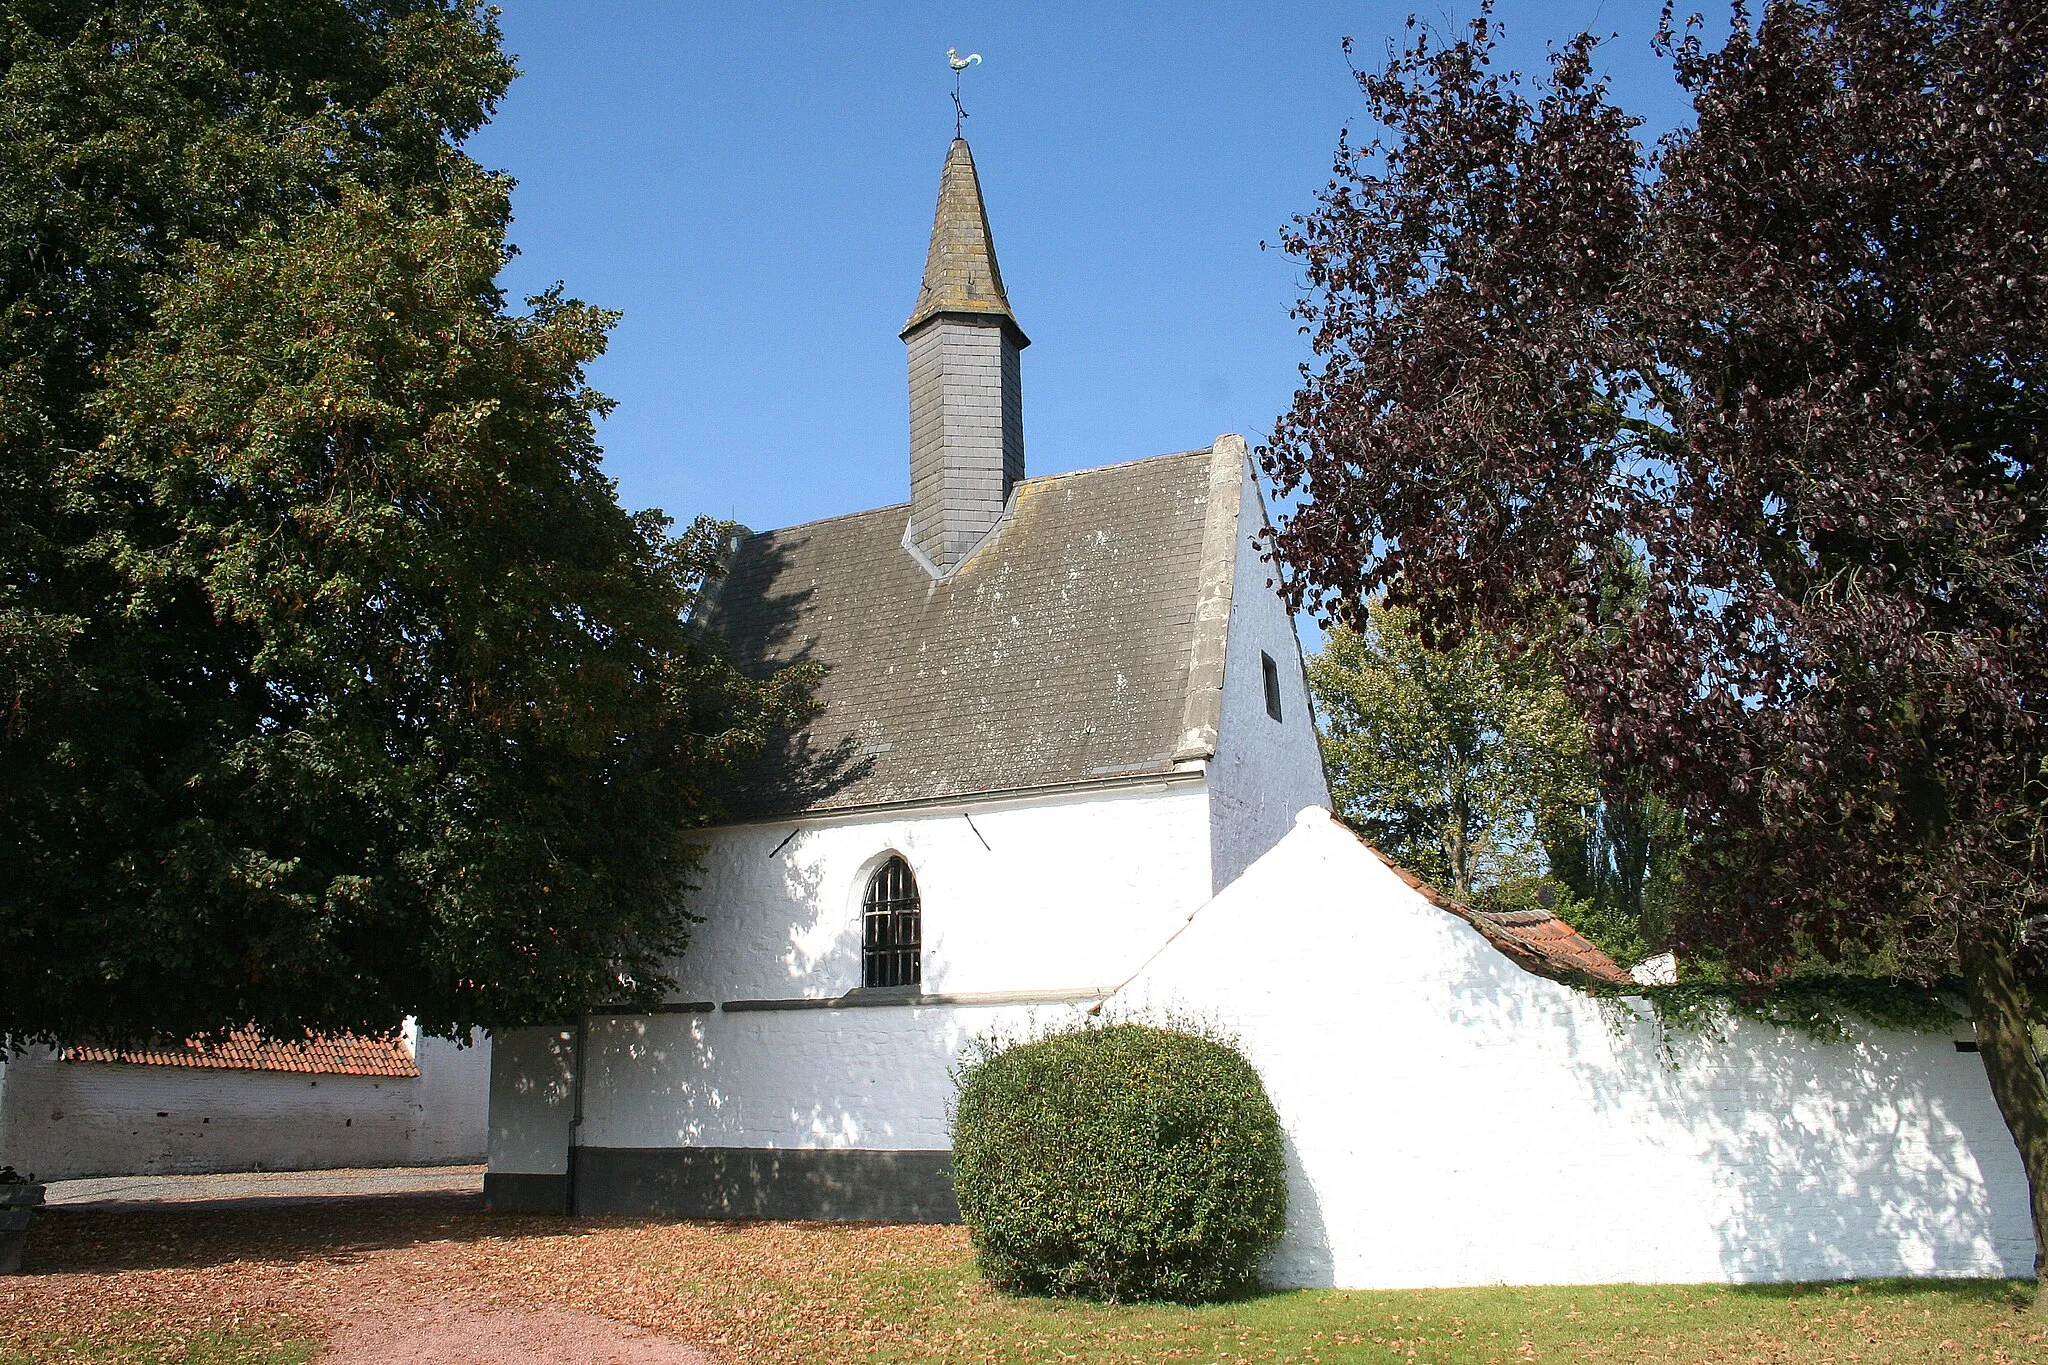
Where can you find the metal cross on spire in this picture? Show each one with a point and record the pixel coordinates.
(959, 64)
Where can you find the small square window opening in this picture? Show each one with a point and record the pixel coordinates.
(1272, 671)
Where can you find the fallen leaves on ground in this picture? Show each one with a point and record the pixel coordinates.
(761, 1293)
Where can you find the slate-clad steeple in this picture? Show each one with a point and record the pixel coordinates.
(966, 397)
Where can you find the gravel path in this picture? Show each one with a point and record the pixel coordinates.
(453, 1334)
(360, 1257)
(262, 1189)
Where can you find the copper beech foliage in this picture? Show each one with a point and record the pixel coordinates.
(1746, 432)
(1789, 368)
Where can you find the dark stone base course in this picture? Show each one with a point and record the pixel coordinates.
(815, 1184)
(526, 1193)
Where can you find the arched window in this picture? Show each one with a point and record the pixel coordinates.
(892, 929)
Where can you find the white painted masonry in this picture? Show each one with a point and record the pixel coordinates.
(68, 1120)
(1454, 1120)
(1263, 770)
(533, 1101)
(1069, 895)
(1043, 893)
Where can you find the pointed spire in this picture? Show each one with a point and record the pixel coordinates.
(960, 272)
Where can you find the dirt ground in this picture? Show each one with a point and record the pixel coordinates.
(447, 1334)
(438, 1278)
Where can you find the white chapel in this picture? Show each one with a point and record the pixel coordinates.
(1065, 761)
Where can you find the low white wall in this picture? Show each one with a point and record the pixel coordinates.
(66, 1120)
(878, 1079)
(1454, 1120)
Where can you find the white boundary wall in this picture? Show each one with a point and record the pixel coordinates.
(1454, 1120)
(67, 1120)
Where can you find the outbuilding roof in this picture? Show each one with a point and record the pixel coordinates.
(1534, 939)
(1082, 642)
(343, 1054)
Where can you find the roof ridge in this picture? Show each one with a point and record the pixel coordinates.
(904, 507)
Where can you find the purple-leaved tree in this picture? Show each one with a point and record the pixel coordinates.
(1787, 377)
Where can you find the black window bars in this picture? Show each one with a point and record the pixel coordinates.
(892, 928)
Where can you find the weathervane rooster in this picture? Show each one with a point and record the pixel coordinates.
(959, 64)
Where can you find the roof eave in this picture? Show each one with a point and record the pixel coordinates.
(1002, 316)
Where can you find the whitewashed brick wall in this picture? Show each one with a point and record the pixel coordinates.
(64, 1120)
(1454, 1120)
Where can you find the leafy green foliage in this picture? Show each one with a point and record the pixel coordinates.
(1445, 757)
(1822, 1005)
(1621, 858)
(1117, 1163)
(337, 685)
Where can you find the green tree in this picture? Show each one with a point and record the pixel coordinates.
(337, 684)
(1618, 858)
(1447, 757)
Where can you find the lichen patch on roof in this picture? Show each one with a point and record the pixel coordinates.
(960, 270)
(1058, 654)
(342, 1054)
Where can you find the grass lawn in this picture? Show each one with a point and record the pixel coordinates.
(132, 1342)
(259, 1288)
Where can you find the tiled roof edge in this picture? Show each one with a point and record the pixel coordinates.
(1586, 965)
(1215, 586)
(342, 1054)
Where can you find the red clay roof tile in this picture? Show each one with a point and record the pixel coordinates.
(342, 1054)
(1534, 940)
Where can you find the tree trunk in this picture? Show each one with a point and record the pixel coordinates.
(1457, 843)
(1998, 998)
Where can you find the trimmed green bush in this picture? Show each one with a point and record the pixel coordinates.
(1119, 1163)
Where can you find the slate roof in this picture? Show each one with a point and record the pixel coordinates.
(339, 1055)
(1060, 653)
(960, 271)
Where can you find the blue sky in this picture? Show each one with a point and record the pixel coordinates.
(753, 187)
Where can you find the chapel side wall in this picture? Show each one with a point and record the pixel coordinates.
(1068, 895)
(70, 1120)
(1264, 771)
(1454, 1120)
(1035, 894)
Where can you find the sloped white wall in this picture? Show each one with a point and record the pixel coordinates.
(64, 1120)
(1264, 770)
(1454, 1120)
